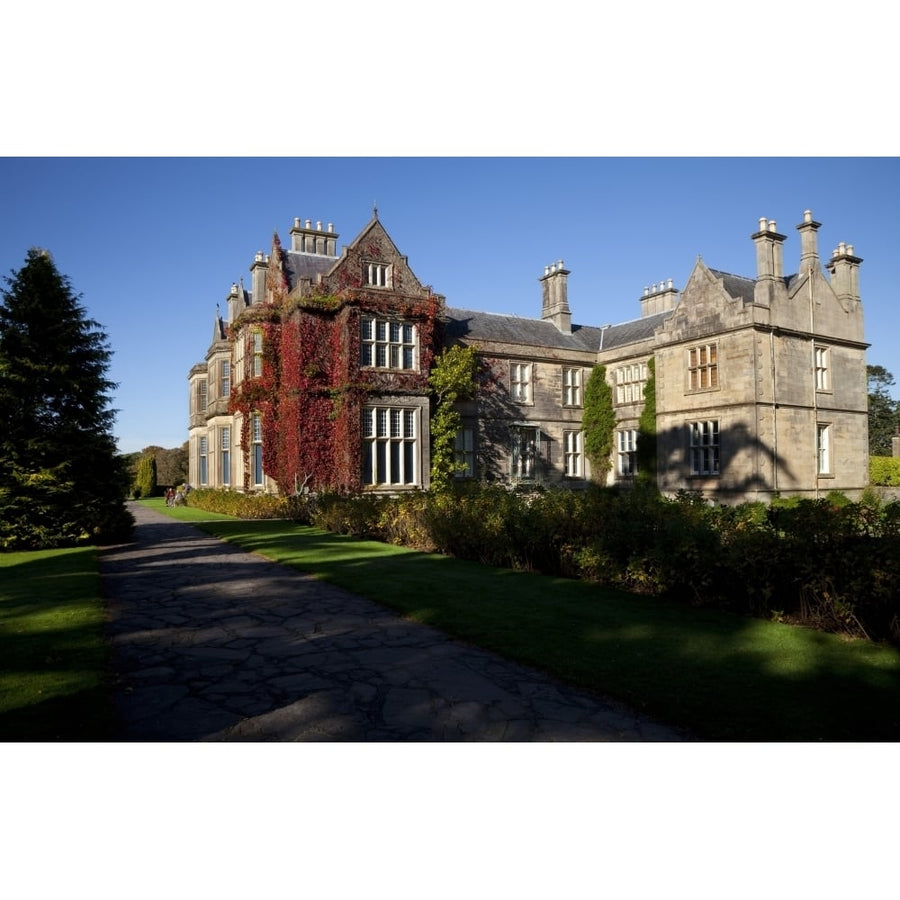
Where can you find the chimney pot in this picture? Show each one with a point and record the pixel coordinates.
(772, 225)
(646, 291)
(296, 222)
(671, 284)
(318, 226)
(308, 223)
(331, 227)
(763, 223)
(807, 215)
(850, 249)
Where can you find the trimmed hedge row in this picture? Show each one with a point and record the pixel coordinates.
(248, 506)
(830, 564)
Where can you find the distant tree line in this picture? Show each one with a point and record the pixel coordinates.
(155, 468)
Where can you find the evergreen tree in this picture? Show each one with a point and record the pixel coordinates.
(145, 483)
(598, 423)
(884, 412)
(61, 479)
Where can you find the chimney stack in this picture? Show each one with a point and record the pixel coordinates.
(809, 251)
(554, 290)
(770, 286)
(843, 267)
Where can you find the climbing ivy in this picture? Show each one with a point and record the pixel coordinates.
(646, 439)
(452, 379)
(598, 423)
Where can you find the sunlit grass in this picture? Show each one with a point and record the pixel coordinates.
(723, 676)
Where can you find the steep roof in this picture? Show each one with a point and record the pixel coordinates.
(634, 331)
(473, 325)
(306, 265)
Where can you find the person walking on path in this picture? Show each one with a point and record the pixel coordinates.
(211, 643)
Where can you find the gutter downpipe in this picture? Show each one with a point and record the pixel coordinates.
(815, 405)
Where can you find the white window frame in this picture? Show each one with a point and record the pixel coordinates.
(573, 454)
(630, 383)
(225, 447)
(703, 367)
(378, 274)
(520, 377)
(705, 447)
(202, 396)
(256, 345)
(388, 344)
(256, 441)
(225, 378)
(203, 454)
(571, 387)
(391, 447)
(626, 450)
(823, 448)
(823, 368)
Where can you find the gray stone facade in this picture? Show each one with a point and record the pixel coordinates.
(761, 384)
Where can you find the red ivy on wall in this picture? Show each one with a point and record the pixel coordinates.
(312, 390)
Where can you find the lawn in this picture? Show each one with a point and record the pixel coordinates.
(53, 659)
(723, 676)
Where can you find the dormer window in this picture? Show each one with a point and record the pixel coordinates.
(378, 275)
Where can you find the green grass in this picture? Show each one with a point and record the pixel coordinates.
(722, 676)
(53, 659)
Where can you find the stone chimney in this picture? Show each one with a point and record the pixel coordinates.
(770, 285)
(659, 298)
(316, 240)
(554, 290)
(843, 267)
(258, 272)
(809, 251)
(234, 303)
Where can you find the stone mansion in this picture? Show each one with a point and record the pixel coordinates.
(317, 376)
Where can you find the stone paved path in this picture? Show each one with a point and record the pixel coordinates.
(212, 643)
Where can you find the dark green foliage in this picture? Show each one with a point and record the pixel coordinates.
(832, 564)
(646, 440)
(598, 423)
(62, 481)
(171, 464)
(884, 412)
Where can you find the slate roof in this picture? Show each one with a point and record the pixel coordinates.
(306, 265)
(739, 287)
(473, 325)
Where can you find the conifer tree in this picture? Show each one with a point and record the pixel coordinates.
(62, 481)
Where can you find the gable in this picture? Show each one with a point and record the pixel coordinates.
(373, 262)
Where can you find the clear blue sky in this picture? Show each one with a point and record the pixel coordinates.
(153, 244)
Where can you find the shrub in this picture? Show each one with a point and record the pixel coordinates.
(244, 506)
(884, 470)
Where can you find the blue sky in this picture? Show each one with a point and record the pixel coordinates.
(153, 244)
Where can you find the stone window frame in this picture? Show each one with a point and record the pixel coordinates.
(388, 344)
(704, 440)
(703, 367)
(521, 378)
(391, 441)
(572, 384)
(573, 453)
(378, 274)
(630, 381)
(626, 452)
